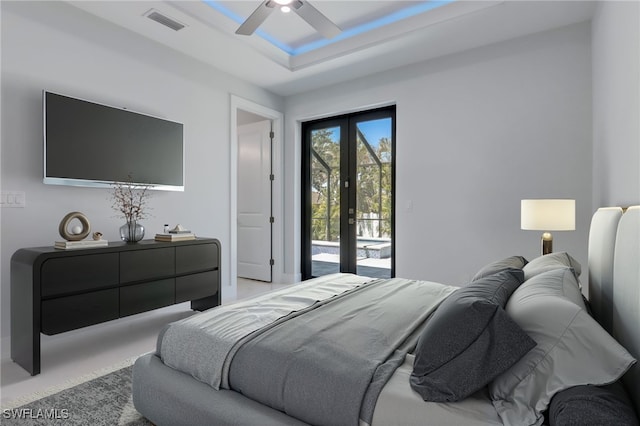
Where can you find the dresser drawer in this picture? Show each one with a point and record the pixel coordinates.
(78, 274)
(195, 258)
(145, 297)
(140, 265)
(197, 286)
(68, 313)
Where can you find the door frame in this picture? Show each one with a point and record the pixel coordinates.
(346, 122)
(277, 118)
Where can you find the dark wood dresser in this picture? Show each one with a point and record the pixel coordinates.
(53, 291)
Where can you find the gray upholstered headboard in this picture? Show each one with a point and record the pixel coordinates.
(602, 240)
(614, 281)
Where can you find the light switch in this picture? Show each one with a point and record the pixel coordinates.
(13, 199)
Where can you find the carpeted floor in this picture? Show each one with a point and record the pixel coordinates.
(105, 400)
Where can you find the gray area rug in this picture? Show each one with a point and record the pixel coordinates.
(105, 400)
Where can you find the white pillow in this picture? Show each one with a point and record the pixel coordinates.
(572, 349)
(555, 282)
(551, 261)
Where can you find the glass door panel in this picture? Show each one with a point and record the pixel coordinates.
(373, 197)
(325, 201)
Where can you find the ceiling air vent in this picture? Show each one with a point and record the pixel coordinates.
(154, 15)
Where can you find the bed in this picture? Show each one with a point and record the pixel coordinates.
(518, 345)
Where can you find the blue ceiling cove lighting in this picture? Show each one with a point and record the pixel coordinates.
(399, 15)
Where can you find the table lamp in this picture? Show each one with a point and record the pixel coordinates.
(548, 215)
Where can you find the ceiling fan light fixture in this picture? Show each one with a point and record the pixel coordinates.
(305, 10)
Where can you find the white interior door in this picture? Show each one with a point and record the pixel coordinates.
(254, 201)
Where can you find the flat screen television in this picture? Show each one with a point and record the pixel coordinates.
(91, 144)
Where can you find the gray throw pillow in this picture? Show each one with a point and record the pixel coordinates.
(588, 405)
(469, 340)
(511, 262)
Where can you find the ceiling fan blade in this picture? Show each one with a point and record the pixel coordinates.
(316, 19)
(256, 18)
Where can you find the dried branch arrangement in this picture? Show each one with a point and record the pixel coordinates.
(130, 199)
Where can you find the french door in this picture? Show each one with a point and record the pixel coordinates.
(348, 183)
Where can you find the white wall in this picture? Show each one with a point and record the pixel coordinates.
(53, 46)
(476, 132)
(616, 103)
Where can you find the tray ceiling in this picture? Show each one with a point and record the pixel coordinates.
(286, 55)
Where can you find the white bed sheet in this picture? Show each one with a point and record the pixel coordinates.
(399, 405)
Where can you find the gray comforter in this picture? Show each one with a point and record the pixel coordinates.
(326, 364)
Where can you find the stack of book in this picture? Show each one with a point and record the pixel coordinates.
(67, 245)
(176, 236)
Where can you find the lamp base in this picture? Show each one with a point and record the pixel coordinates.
(547, 243)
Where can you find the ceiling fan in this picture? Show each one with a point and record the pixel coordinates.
(313, 16)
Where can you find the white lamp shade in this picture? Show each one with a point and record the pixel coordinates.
(548, 215)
